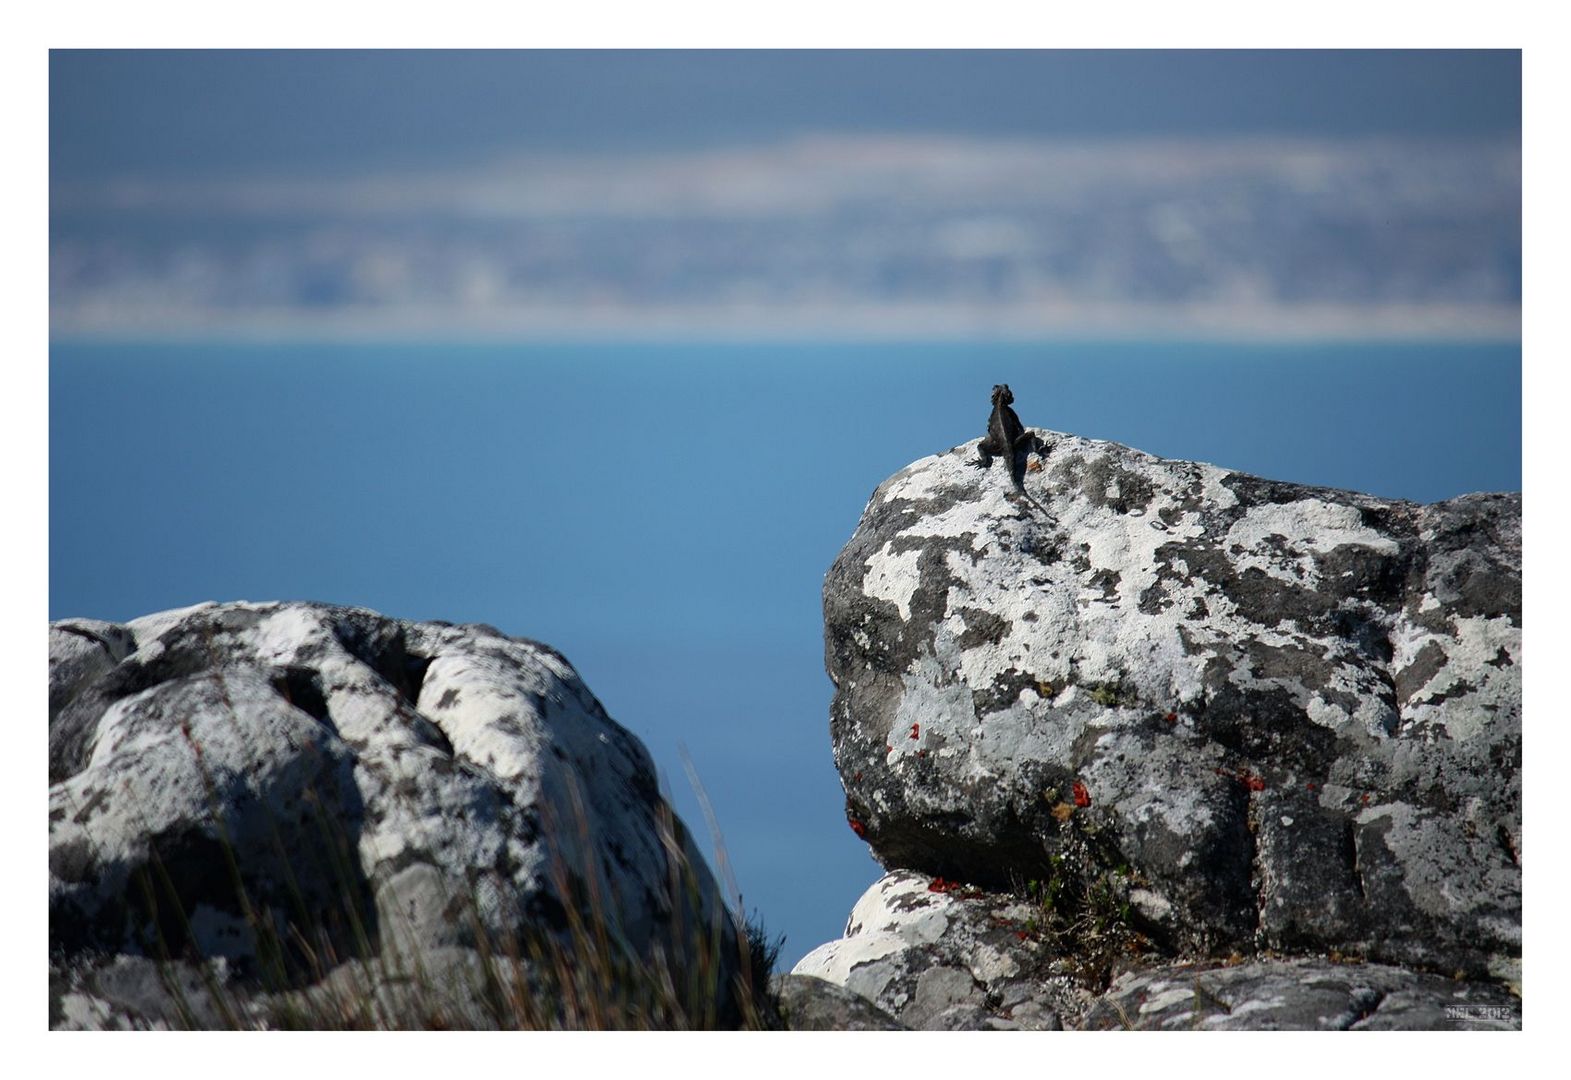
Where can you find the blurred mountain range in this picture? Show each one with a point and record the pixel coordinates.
(892, 236)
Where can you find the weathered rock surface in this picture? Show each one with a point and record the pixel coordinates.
(807, 1003)
(940, 961)
(1301, 995)
(1290, 717)
(278, 788)
(939, 956)
(80, 650)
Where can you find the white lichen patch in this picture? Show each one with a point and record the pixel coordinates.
(1181, 811)
(1267, 1002)
(149, 628)
(865, 963)
(483, 713)
(1325, 713)
(978, 520)
(932, 711)
(1163, 996)
(901, 903)
(1281, 539)
(894, 577)
(284, 632)
(1152, 904)
(1019, 734)
(1214, 492)
(894, 919)
(1480, 675)
(920, 480)
(1440, 861)
(989, 965)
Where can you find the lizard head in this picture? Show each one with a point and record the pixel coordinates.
(1002, 395)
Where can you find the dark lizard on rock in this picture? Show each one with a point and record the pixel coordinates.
(1007, 438)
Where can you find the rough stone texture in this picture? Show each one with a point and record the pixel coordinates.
(134, 993)
(1301, 995)
(812, 1004)
(452, 987)
(1292, 714)
(943, 961)
(80, 650)
(377, 788)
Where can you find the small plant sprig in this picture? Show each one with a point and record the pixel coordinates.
(1082, 907)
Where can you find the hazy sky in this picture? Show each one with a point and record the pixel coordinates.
(185, 112)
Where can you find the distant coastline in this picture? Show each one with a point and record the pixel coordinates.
(868, 238)
(937, 322)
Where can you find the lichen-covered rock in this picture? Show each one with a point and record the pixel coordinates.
(944, 959)
(941, 956)
(1313, 995)
(1293, 713)
(129, 993)
(807, 1003)
(287, 786)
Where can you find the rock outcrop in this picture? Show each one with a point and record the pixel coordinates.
(291, 813)
(1225, 716)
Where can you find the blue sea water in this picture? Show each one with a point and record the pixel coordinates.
(664, 514)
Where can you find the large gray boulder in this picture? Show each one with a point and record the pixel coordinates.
(1281, 717)
(264, 800)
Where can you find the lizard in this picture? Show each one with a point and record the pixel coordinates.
(1007, 438)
